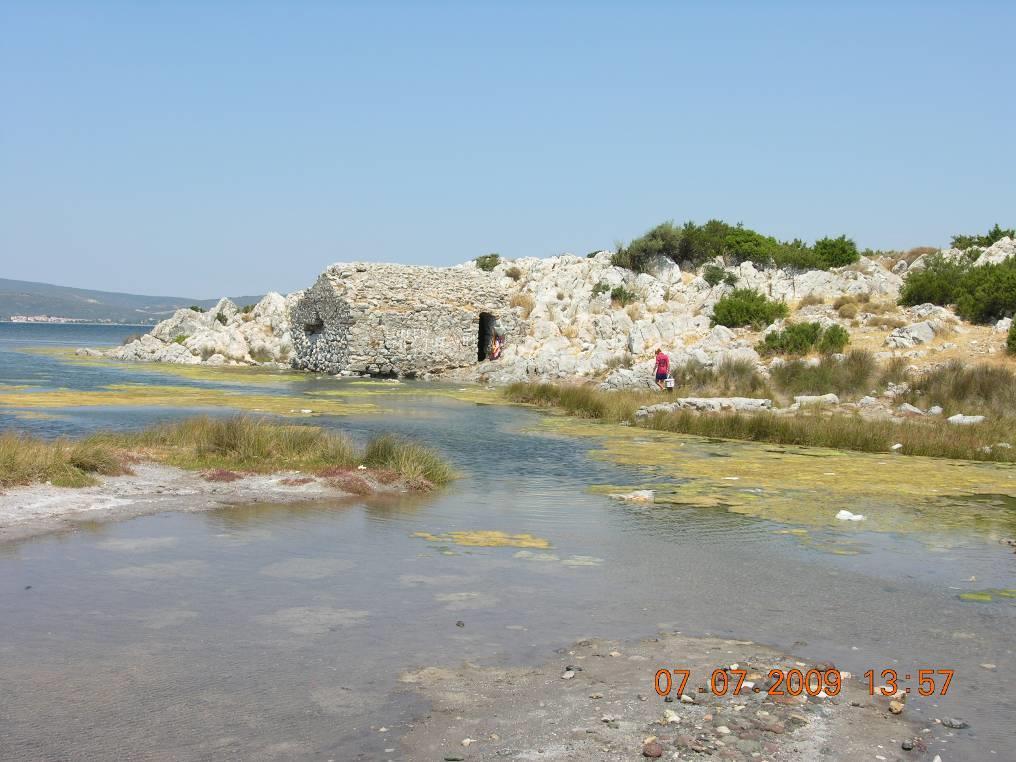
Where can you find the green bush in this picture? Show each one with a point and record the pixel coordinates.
(937, 282)
(701, 243)
(220, 318)
(744, 245)
(982, 241)
(730, 279)
(801, 338)
(198, 309)
(663, 240)
(247, 309)
(981, 294)
(794, 339)
(834, 340)
(987, 293)
(743, 306)
(1010, 339)
(488, 262)
(513, 272)
(180, 338)
(698, 244)
(836, 252)
(712, 274)
(622, 296)
(600, 288)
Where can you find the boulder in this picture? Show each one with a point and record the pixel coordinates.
(911, 335)
(998, 252)
(707, 405)
(816, 399)
(965, 420)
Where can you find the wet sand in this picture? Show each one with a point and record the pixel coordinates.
(597, 701)
(153, 488)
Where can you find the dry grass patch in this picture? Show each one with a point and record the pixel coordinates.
(64, 463)
(932, 437)
(524, 302)
(888, 322)
(843, 299)
(810, 300)
(848, 311)
(221, 448)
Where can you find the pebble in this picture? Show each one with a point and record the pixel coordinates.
(568, 675)
(988, 666)
(595, 695)
(723, 730)
(454, 758)
(686, 699)
(955, 724)
(460, 623)
(896, 707)
(907, 745)
(652, 750)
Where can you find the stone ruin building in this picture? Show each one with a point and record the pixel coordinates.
(398, 320)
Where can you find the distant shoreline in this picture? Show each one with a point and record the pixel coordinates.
(76, 322)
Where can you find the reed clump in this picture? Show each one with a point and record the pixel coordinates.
(237, 444)
(64, 463)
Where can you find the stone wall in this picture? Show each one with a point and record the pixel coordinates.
(401, 320)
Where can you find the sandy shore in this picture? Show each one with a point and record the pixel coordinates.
(152, 488)
(596, 701)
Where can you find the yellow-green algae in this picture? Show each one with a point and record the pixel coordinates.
(486, 538)
(987, 596)
(220, 374)
(807, 486)
(146, 395)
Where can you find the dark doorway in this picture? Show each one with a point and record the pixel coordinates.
(486, 336)
(313, 329)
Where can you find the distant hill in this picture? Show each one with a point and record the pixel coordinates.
(20, 297)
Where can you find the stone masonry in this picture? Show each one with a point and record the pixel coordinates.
(398, 320)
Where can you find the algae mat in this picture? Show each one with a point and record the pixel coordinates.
(808, 486)
(215, 374)
(146, 395)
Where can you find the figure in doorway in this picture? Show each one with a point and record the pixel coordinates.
(662, 369)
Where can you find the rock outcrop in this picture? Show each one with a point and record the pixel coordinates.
(998, 252)
(224, 335)
(564, 317)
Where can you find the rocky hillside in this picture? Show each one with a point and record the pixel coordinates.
(584, 318)
(223, 335)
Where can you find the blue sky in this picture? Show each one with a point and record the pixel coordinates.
(199, 148)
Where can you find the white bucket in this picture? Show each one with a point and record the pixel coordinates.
(669, 383)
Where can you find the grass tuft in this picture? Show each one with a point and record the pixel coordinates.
(408, 459)
(27, 460)
(219, 447)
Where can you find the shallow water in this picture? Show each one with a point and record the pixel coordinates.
(280, 631)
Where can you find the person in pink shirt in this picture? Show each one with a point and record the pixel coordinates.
(662, 368)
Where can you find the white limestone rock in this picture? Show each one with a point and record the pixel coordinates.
(998, 252)
(816, 399)
(965, 420)
(911, 335)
